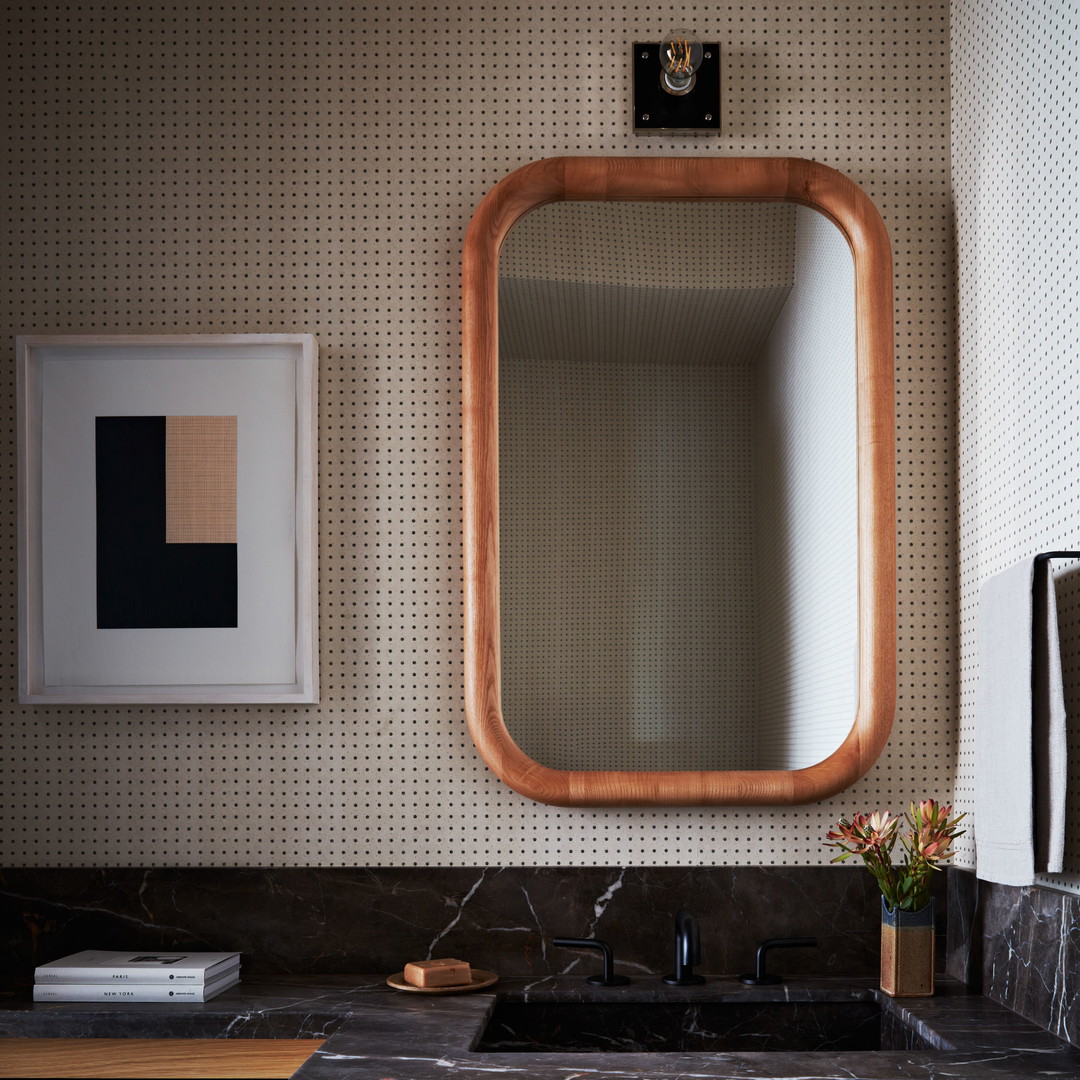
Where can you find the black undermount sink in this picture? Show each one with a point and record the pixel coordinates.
(689, 1027)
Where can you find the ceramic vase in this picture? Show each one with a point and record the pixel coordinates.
(907, 951)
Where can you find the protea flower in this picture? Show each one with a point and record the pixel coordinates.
(864, 832)
(872, 837)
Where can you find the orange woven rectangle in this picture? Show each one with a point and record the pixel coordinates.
(200, 479)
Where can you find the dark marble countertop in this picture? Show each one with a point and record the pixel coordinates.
(373, 1032)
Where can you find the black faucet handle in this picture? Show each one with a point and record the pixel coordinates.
(761, 977)
(608, 978)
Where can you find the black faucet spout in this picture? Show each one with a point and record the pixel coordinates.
(687, 950)
(608, 978)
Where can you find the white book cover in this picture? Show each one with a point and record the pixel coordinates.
(101, 966)
(134, 991)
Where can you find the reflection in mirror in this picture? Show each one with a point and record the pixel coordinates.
(678, 485)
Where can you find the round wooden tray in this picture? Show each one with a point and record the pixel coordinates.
(480, 979)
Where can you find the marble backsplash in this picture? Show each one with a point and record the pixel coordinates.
(1018, 946)
(327, 921)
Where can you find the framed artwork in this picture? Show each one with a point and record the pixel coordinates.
(167, 524)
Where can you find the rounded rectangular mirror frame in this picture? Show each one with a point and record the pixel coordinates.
(747, 179)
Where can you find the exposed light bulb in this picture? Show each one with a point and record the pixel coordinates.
(680, 57)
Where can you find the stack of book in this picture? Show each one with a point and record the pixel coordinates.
(96, 975)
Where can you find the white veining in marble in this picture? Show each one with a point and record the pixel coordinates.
(602, 901)
(457, 917)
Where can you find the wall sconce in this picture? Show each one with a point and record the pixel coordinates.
(676, 85)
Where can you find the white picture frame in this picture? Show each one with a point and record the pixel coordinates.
(65, 385)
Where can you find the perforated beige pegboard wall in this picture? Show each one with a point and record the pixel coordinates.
(312, 167)
(1014, 170)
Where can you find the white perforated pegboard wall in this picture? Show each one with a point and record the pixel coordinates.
(311, 167)
(687, 245)
(640, 282)
(806, 529)
(1014, 167)
(626, 554)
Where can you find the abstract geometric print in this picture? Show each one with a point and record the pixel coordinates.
(166, 521)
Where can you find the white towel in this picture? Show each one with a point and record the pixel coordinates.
(1050, 731)
(1020, 728)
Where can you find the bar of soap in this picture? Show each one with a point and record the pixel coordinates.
(447, 972)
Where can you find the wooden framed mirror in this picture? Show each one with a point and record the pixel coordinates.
(531, 758)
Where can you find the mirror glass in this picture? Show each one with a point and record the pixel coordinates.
(678, 515)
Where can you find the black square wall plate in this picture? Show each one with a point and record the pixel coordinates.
(656, 111)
